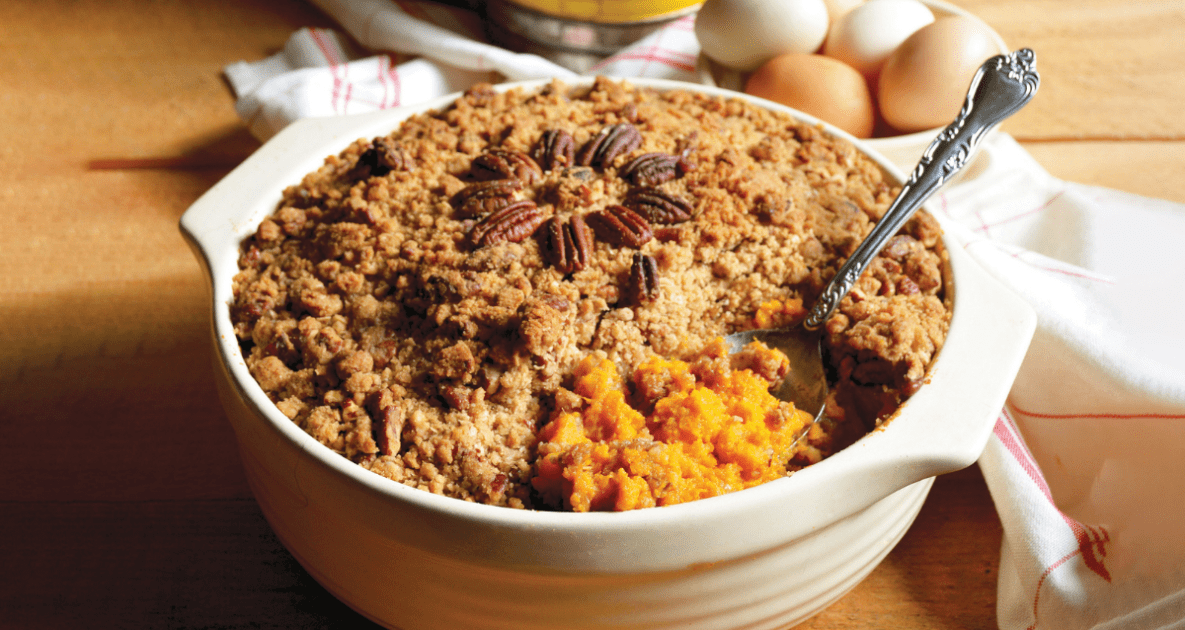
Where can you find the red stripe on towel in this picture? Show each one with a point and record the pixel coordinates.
(1066, 272)
(649, 54)
(382, 77)
(328, 50)
(1037, 591)
(1026, 213)
(397, 96)
(1096, 416)
(1092, 540)
(1006, 431)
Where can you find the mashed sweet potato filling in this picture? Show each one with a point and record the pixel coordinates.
(420, 301)
(710, 426)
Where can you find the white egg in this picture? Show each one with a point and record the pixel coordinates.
(743, 34)
(924, 82)
(869, 33)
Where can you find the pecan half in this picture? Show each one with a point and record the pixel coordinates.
(513, 223)
(630, 112)
(643, 284)
(556, 149)
(621, 226)
(381, 158)
(387, 418)
(506, 164)
(486, 197)
(900, 247)
(609, 143)
(659, 206)
(652, 169)
(569, 243)
(906, 286)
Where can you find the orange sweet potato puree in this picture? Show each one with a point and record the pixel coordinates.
(775, 313)
(713, 429)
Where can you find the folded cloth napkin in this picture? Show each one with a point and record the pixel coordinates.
(1084, 465)
(319, 74)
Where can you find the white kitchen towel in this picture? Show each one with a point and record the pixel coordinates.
(319, 73)
(1085, 464)
(1087, 461)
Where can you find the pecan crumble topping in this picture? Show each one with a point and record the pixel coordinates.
(643, 285)
(652, 169)
(504, 164)
(621, 226)
(609, 143)
(485, 197)
(419, 303)
(569, 243)
(556, 150)
(659, 206)
(512, 222)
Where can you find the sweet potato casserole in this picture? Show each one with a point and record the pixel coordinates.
(518, 299)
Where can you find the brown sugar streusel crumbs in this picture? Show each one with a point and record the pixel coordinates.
(419, 303)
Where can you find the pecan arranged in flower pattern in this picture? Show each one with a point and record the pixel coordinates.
(609, 143)
(513, 223)
(652, 169)
(621, 226)
(556, 150)
(506, 164)
(485, 197)
(380, 158)
(659, 206)
(569, 243)
(643, 283)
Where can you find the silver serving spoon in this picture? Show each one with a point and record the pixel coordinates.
(1001, 86)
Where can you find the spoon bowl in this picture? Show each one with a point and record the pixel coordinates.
(806, 384)
(1000, 88)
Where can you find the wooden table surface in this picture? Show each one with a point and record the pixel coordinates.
(122, 501)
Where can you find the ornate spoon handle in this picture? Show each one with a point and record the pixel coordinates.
(1001, 86)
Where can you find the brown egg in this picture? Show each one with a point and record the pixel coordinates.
(820, 86)
(924, 82)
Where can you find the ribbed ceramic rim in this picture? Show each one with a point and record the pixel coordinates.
(214, 229)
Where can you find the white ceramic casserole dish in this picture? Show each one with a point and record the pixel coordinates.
(765, 557)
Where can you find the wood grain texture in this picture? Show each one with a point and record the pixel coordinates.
(124, 504)
(1151, 169)
(216, 564)
(1109, 70)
